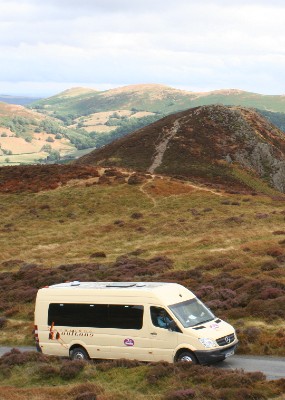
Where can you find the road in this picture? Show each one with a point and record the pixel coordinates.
(272, 367)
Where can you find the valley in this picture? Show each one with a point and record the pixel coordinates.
(82, 119)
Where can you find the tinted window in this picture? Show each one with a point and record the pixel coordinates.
(96, 315)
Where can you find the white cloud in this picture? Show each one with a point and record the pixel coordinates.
(210, 45)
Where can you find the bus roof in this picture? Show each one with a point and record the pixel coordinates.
(169, 293)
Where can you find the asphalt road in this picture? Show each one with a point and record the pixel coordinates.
(272, 367)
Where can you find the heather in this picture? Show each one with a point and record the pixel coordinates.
(31, 376)
(227, 246)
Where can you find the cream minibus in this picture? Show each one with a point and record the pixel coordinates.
(147, 321)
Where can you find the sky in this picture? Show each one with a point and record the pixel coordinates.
(47, 46)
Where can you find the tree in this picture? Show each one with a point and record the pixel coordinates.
(46, 148)
(54, 155)
(7, 160)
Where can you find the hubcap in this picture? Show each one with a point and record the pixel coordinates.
(186, 358)
(79, 356)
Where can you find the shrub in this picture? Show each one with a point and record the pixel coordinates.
(271, 293)
(274, 252)
(85, 388)
(241, 394)
(137, 215)
(261, 215)
(136, 179)
(158, 371)
(256, 376)
(98, 254)
(3, 322)
(70, 369)
(16, 357)
(232, 380)
(119, 222)
(182, 394)
(121, 363)
(252, 333)
(47, 371)
(86, 396)
(269, 266)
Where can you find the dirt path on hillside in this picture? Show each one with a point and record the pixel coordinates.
(161, 147)
(148, 195)
(204, 189)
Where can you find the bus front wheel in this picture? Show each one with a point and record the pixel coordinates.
(187, 356)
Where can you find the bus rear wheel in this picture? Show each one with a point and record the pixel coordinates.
(78, 353)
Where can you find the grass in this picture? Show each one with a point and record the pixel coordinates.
(33, 376)
(70, 230)
(70, 223)
(15, 159)
(226, 247)
(213, 238)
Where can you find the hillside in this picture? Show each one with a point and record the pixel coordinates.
(27, 136)
(86, 118)
(108, 115)
(75, 222)
(210, 144)
(152, 98)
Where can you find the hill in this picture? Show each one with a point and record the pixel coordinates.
(74, 222)
(27, 136)
(108, 115)
(210, 144)
(152, 98)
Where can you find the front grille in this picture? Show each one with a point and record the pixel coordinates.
(223, 341)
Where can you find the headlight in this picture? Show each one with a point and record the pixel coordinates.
(208, 342)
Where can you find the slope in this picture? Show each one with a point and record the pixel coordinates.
(77, 222)
(152, 98)
(211, 144)
(108, 115)
(27, 136)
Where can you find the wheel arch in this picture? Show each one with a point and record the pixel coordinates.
(76, 346)
(183, 350)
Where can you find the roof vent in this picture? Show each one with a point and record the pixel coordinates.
(121, 284)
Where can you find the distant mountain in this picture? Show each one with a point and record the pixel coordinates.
(152, 98)
(108, 115)
(19, 100)
(212, 144)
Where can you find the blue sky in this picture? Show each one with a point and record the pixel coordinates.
(52, 45)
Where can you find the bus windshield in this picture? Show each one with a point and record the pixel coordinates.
(191, 312)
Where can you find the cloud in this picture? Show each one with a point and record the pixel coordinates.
(216, 44)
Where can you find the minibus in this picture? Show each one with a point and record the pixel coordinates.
(146, 321)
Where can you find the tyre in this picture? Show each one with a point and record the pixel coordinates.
(187, 356)
(78, 353)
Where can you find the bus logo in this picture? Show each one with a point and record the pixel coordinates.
(129, 342)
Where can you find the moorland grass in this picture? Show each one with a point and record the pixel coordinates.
(22, 375)
(213, 238)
